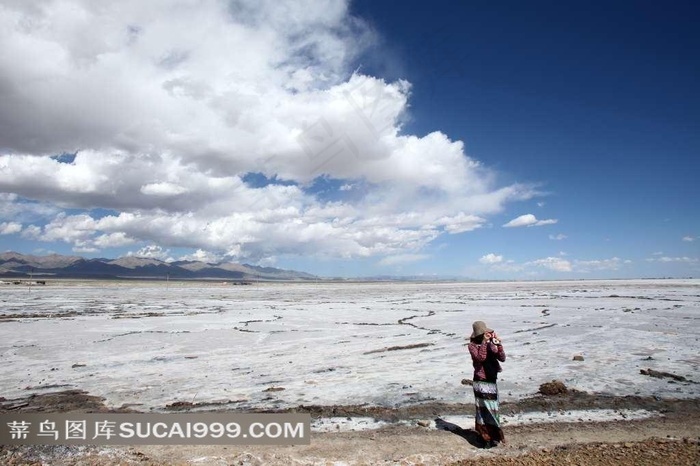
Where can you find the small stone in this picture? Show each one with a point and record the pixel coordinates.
(274, 389)
(555, 387)
(423, 423)
(578, 357)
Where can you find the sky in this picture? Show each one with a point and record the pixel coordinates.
(517, 140)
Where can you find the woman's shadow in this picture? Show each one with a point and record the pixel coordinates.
(469, 435)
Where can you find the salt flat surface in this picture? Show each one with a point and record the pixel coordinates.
(387, 344)
(347, 424)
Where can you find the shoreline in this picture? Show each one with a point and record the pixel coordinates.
(83, 402)
(409, 435)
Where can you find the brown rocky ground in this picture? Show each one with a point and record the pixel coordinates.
(670, 437)
(648, 452)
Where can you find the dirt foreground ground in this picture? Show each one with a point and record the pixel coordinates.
(669, 437)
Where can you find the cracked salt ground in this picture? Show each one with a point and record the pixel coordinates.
(378, 344)
(347, 424)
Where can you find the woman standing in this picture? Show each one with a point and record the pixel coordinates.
(486, 350)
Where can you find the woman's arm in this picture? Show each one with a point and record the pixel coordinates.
(478, 352)
(498, 351)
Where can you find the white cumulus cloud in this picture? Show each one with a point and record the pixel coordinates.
(152, 251)
(163, 189)
(462, 222)
(683, 259)
(113, 240)
(601, 264)
(168, 108)
(491, 259)
(559, 264)
(528, 220)
(10, 228)
(202, 256)
(556, 264)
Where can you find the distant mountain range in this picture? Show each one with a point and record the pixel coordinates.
(15, 265)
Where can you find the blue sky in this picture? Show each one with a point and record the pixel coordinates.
(357, 139)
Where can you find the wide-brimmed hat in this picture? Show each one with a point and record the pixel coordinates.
(479, 328)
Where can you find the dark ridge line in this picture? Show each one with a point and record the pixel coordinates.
(398, 348)
(142, 331)
(364, 324)
(245, 323)
(430, 331)
(245, 330)
(639, 297)
(404, 321)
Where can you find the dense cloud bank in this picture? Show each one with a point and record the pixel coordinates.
(236, 128)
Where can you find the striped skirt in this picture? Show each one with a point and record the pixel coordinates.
(488, 421)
